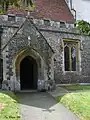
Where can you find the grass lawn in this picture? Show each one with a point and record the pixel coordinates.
(8, 106)
(78, 103)
(77, 87)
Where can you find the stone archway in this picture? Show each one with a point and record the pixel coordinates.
(38, 61)
(28, 73)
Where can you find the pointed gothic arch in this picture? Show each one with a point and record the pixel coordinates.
(36, 59)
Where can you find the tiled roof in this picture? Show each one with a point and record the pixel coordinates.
(50, 9)
(15, 11)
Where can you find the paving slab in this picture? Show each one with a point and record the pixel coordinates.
(58, 92)
(42, 106)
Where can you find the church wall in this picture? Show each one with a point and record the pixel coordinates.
(30, 39)
(55, 39)
(53, 62)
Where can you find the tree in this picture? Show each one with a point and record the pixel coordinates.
(83, 27)
(25, 4)
(4, 5)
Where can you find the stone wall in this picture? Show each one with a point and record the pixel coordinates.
(55, 39)
(55, 36)
(27, 38)
(46, 40)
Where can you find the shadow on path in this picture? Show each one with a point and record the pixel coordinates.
(40, 99)
(42, 106)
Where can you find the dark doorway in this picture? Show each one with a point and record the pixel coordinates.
(28, 73)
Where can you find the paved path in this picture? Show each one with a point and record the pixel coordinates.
(42, 106)
(58, 92)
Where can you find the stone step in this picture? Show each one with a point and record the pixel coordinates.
(27, 91)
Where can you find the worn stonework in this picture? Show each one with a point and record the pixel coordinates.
(55, 36)
(55, 40)
(44, 44)
(19, 47)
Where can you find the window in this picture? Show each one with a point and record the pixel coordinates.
(11, 18)
(62, 25)
(70, 55)
(47, 22)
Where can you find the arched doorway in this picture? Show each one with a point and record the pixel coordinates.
(28, 73)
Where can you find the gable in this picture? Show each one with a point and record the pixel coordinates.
(29, 37)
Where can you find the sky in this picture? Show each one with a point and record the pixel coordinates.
(83, 9)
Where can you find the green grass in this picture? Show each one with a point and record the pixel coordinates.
(58, 98)
(78, 103)
(77, 87)
(11, 108)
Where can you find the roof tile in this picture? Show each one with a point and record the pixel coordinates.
(56, 10)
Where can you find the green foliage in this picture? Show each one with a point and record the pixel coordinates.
(25, 4)
(4, 5)
(83, 27)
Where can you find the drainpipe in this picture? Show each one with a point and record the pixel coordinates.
(74, 13)
(1, 72)
(71, 4)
